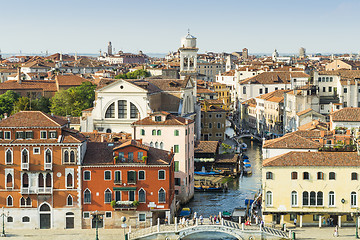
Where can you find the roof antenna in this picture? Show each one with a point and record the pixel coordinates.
(188, 30)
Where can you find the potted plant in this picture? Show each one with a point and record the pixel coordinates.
(144, 158)
(113, 203)
(136, 203)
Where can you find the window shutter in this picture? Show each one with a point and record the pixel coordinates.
(31, 134)
(1, 135)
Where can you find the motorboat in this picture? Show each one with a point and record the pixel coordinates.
(247, 169)
(185, 212)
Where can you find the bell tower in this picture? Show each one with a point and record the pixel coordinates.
(188, 56)
(109, 49)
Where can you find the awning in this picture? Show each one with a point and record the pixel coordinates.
(124, 188)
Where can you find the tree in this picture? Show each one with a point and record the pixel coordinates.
(22, 104)
(41, 104)
(133, 75)
(73, 100)
(7, 101)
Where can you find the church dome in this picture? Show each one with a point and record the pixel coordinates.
(189, 41)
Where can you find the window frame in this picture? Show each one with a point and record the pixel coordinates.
(87, 171)
(106, 195)
(268, 199)
(43, 132)
(86, 202)
(109, 175)
(332, 176)
(164, 201)
(159, 174)
(353, 196)
(144, 178)
(331, 199)
(294, 175)
(294, 199)
(5, 135)
(36, 148)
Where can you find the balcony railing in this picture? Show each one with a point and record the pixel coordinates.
(27, 190)
(24, 166)
(131, 181)
(124, 205)
(44, 190)
(48, 166)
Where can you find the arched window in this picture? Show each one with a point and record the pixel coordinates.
(269, 175)
(10, 219)
(66, 156)
(319, 198)
(26, 219)
(151, 144)
(159, 132)
(153, 132)
(48, 157)
(9, 201)
(72, 156)
(306, 176)
(25, 156)
(176, 132)
(110, 111)
(312, 198)
(244, 90)
(9, 180)
(294, 175)
(48, 180)
(156, 145)
(305, 199)
(353, 198)
(134, 112)
(108, 130)
(331, 176)
(41, 180)
(269, 199)
(162, 194)
(69, 200)
(210, 125)
(161, 145)
(331, 199)
(122, 109)
(142, 195)
(25, 180)
(22, 202)
(28, 201)
(320, 176)
(87, 196)
(294, 198)
(69, 180)
(8, 156)
(108, 196)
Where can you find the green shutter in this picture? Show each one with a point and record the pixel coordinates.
(31, 134)
(154, 132)
(1, 135)
(176, 148)
(176, 166)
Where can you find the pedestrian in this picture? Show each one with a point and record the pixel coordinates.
(336, 231)
(328, 222)
(262, 223)
(194, 220)
(215, 218)
(211, 219)
(166, 221)
(331, 222)
(183, 221)
(187, 222)
(201, 219)
(295, 220)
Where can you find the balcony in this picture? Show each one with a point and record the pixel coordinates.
(24, 166)
(48, 166)
(131, 181)
(125, 205)
(27, 190)
(44, 190)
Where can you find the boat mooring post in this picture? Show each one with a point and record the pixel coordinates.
(176, 226)
(222, 222)
(158, 225)
(242, 226)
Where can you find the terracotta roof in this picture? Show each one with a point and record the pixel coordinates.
(204, 90)
(276, 93)
(291, 141)
(44, 85)
(107, 137)
(334, 159)
(133, 143)
(274, 78)
(206, 147)
(170, 120)
(32, 119)
(251, 102)
(226, 158)
(349, 114)
(70, 80)
(99, 153)
(342, 73)
(314, 124)
(304, 112)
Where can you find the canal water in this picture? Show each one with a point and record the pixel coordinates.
(211, 203)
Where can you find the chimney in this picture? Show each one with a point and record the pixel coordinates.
(187, 121)
(19, 75)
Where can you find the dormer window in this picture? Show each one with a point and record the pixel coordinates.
(52, 134)
(157, 118)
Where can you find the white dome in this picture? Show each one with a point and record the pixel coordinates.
(188, 41)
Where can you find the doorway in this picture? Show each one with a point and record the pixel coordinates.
(69, 220)
(100, 223)
(45, 216)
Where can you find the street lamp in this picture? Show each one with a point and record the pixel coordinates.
(97, 216)
(3, 221)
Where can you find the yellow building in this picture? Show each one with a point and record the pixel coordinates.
(223, 93)
(313, 187)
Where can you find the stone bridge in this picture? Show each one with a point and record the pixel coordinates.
(178, 231)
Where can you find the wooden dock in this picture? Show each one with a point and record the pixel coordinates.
(210, 183)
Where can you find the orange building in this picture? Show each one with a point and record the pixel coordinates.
(128, 179)
(40, 178)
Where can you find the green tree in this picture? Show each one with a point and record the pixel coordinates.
(73, 100)
(7, 101)
(22, 104)
(133, 75)
(41, 104)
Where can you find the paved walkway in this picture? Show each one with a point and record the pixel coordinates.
(324, 233)
(66, 234)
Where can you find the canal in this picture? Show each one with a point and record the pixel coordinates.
(210, 203)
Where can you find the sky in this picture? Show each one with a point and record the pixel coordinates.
(86, 26)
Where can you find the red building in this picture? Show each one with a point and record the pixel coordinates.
(127, 179)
